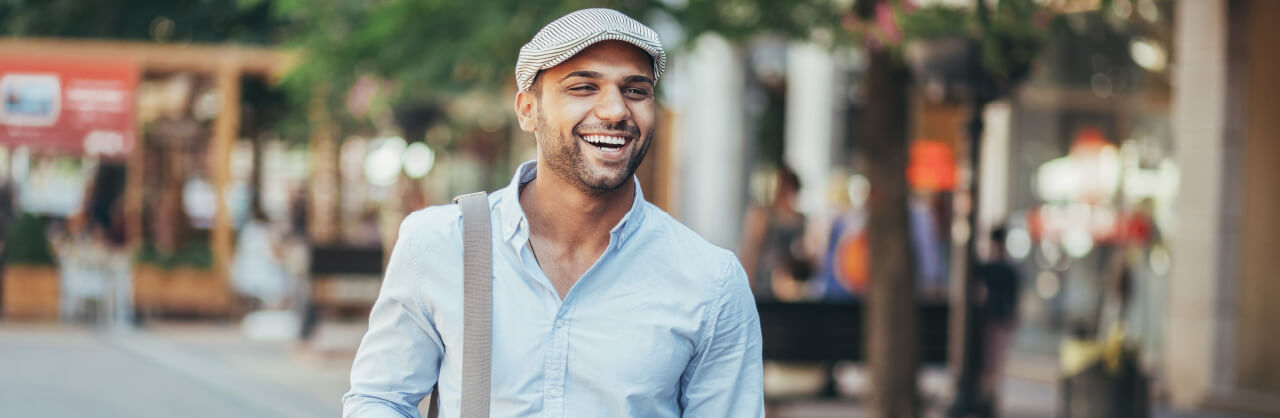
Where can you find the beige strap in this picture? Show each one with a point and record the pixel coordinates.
(477, 296)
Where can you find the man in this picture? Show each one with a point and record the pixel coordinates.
(1000, 278)
(603, 305)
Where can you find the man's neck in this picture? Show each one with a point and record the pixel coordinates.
(568, 216)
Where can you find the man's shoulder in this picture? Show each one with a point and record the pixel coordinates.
(444, 222)
(432, 224)
(680, 241)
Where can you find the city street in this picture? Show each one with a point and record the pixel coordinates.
(1006, 208)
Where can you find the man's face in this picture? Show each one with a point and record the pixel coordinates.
(593, 115)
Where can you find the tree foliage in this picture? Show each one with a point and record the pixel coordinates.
(436, 50)
(431, 50)
(237, 21)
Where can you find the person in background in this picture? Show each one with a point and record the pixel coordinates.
(257, 270)
(927, 242)
(95, 284)
(6, 218)
(1001, 281)
(772, 249)
(845, 267)
(103, 210)
(298, 214)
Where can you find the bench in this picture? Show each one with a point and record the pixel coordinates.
(345, 280)
(830, 332)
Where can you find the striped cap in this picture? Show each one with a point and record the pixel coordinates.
(569, 35)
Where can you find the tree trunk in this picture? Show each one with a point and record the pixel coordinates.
(892, 346)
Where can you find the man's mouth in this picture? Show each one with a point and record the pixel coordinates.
(607, 143)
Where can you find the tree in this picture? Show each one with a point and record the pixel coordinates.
(239, 21)
(892, 343)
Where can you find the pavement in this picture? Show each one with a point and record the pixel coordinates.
(213, 370)
(163, 371)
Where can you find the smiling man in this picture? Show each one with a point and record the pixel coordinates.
(603, 305)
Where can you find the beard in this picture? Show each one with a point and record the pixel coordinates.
(563, 155)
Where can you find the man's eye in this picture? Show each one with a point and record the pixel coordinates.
(638, 92)
(582, 88)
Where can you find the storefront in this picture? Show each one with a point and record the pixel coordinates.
(123, 136)
(1091, 179)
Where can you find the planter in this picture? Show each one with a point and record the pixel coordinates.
(1102, 379)
(30, 292)
(184, 291)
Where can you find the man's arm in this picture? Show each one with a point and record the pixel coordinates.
(725, 376)
(399, 359)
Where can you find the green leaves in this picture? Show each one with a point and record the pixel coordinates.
(430, 48)
(936, 22)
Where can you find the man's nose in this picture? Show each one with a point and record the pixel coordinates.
(612, 107)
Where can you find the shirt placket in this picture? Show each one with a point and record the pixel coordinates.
(556, 367)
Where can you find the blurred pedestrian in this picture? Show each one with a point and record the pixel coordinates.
(604, 305)
(298, 214)
(95, 281)
(1001, 282)
(7, 207)
(103, 208)
(927, 244)
(258, 270)
(845, 269)
(772, 249)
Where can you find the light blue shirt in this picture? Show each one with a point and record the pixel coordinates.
(663, 325)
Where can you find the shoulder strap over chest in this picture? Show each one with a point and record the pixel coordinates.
(477, 297)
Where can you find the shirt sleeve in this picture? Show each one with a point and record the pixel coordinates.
(725, 376)
(399, 358)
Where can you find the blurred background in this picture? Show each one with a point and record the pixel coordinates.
(946, 207)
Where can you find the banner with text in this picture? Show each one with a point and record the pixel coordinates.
(68, 106)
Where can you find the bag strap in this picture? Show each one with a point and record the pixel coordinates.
(477, 300)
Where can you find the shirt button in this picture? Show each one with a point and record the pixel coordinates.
(559, 323)
(555, 391)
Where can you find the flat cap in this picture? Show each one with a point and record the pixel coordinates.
(569, 35)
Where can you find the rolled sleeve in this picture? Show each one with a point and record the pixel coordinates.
(725, 376)
(399, 358)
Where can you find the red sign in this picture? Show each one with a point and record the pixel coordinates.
(932, 167)
(75, 106)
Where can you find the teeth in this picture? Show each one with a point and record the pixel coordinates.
(604, 139)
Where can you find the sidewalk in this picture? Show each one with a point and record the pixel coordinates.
(1030, 389)
(166, 370)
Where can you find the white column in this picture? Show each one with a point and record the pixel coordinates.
(1196, 318)
(713, 136)
(993, 199)
(811, 112)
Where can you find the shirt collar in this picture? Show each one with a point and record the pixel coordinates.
(515, 228)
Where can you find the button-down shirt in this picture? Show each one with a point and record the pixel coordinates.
(663, 325)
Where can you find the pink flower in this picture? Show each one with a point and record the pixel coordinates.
(887, 24)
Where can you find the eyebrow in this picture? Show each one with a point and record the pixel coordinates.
(639, 79)
(593, 74)
(582, 73)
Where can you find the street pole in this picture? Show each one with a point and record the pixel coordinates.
(970, 397)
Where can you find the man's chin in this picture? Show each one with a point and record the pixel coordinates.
(603, 182)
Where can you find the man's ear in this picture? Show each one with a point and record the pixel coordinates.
(525, 112)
